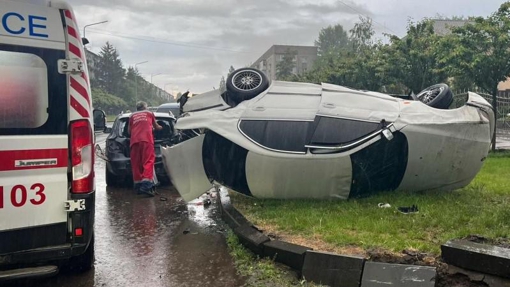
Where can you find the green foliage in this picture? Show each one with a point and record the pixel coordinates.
(286, 65)
(116, 88)
(111, 72)
(414, 59)
(473, 56)
(106, 101)
(361, 34)
(480, 50)
(331, 40)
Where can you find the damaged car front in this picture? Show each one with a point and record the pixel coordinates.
(300, 140)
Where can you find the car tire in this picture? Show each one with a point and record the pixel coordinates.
(437, 96)
(245, 84)
(83, 262)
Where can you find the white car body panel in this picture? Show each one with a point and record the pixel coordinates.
(443, 149)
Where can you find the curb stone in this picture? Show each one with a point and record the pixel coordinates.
(251, 238)
(319, 267)
(479, 257)
(333, 269)
(292, 255)
(377, 274)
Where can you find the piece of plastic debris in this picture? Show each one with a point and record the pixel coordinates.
(384, 205)
(207, 202)
(408, 210)
(163, 198)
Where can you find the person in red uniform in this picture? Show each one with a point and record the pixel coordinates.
(141, 124)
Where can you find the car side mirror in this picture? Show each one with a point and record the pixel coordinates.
(99, 120)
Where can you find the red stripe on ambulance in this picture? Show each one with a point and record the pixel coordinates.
(79, 108)
(80, 89)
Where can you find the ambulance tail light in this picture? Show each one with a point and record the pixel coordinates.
(82, 157)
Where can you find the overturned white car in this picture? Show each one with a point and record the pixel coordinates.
(299, 140)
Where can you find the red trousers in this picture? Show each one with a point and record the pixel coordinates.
(142, 161)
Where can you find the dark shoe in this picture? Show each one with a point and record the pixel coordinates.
(147, 187)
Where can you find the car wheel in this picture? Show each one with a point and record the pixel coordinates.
(245, 84)
(437, 96)
(85, 261)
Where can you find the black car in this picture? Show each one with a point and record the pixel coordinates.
(117, 153)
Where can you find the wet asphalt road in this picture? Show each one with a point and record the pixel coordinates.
(144, 241)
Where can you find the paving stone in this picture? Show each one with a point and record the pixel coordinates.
(376, 274)
(333, 269)
(289, 254)
(479, 257)
(251, 238)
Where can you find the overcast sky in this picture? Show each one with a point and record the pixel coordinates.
(192, 43)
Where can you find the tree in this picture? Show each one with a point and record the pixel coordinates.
(480, 51)
(414, 59)
(108, 102)
(286, 65)
(361, 34)
(111, 72)
(332, 39)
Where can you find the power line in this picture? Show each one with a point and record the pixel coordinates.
(361, 13)
(163, 41)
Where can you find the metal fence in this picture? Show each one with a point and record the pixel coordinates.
(502, 115)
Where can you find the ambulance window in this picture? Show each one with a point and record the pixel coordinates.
(23, 90)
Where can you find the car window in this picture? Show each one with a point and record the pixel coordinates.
(287, 136)
(29, 106)
(335, 131)
(166, 133)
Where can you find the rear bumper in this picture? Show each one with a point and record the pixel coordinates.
(49, 243)
(121, 167)
(42, 255)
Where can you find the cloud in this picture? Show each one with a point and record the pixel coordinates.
(194, 42)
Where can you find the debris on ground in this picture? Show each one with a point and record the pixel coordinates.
(384, 205)
(408, 210)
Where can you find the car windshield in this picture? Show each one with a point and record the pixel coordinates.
(165, 134)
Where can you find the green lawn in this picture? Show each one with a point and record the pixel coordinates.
(481, 208)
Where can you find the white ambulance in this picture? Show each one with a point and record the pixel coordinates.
(46, 142)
